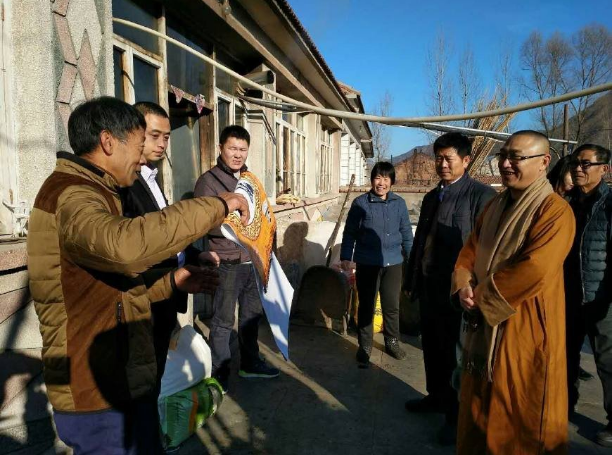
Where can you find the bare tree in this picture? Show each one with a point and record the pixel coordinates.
(504, 72)
(593, 51)
(381, 134)
(441, 88)
(560, 65)
(548, 65)
(468, 82)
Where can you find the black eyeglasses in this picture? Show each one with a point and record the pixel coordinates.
(515, 159)
(585, 164)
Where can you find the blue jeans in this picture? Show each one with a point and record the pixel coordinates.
(237, 283)
(112, 432)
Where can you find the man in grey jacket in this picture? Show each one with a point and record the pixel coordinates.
(588, 284)
(236, 272)
(448, 215)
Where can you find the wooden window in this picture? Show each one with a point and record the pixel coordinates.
(290, 159)
(9, 203)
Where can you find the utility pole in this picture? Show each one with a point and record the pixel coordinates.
(565, 128)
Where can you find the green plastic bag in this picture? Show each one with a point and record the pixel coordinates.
(184, 412)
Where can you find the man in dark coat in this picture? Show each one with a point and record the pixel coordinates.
(146, 196)
(448, 215)
(588, 279)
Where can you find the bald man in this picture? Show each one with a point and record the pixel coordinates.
(509, 280)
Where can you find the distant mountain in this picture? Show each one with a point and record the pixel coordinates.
(597, 126)
(427, 149)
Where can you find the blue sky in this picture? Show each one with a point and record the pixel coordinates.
(382, 45)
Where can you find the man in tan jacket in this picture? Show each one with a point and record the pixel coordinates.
(85, 262)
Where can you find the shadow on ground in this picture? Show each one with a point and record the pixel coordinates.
(322, 404)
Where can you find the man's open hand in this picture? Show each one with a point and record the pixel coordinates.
(194, 280)
(466, 297)
(236, 201)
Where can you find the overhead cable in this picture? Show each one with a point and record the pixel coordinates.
(408, 121)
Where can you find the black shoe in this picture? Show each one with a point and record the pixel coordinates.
(392, 347)
(604, 437)
(363, 355)
(259, 370)
(447, 435)
(584, 375)
(427, 404)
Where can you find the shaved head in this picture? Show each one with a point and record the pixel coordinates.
(524, 158)
(537, 140)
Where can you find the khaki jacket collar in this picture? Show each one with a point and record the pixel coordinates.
(73, 164)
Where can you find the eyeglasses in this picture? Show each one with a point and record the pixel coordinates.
(585, 164)
(515, 159)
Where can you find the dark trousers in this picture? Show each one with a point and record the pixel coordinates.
(440, 326)
(370, 280)
(237, 283)
(112, 432)
(164, 320)
(595, 321)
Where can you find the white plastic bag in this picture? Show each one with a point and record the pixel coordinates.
(188, 362)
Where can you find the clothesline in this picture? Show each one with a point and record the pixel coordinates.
(406, 121)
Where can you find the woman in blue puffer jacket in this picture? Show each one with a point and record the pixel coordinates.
(378, 237)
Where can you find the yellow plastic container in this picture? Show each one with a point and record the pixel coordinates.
(378, 316)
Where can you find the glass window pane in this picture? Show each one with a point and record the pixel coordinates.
(223, 80)
(186, 167)
(129, 10)
(185, 70)
(145, 81)
(223, 112)
(240, 116)
(118, 73)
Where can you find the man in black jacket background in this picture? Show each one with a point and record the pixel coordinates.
(146, 196)
(588, 280)
(448, 215)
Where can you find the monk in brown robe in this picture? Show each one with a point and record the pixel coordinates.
(509, 281)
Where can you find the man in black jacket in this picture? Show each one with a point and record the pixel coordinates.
(146, 196)
(588, 274)
(448, 215)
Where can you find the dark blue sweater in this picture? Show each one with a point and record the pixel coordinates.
(377, 231)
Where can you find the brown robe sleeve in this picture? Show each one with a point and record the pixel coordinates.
(548, 242)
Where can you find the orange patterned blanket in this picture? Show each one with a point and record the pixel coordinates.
(258, 235)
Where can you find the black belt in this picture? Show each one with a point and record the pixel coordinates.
(231, 261)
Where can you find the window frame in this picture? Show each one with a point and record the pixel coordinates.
(11, 207)
(295, 177)
(233, 102)
(129, 51)
(324, 162)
